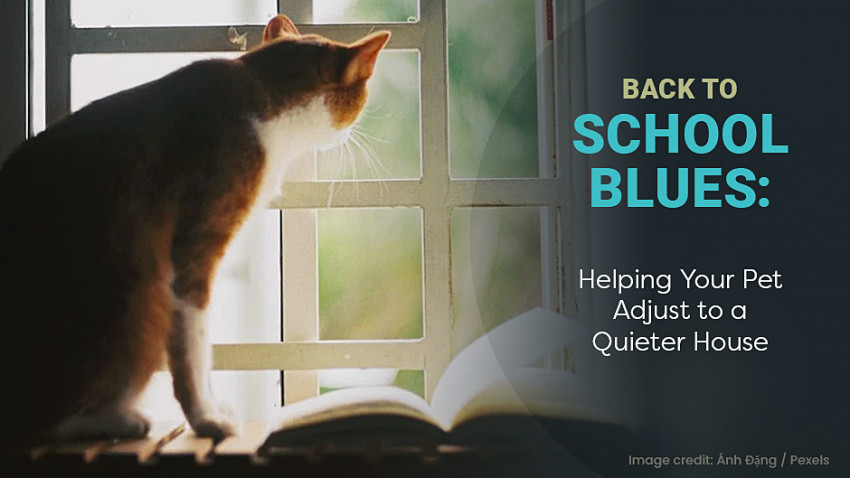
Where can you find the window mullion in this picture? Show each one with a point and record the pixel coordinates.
(58, 53)
(300, 253)
(298, 11)
(436, 181)
(571, 100)
(550, 256)
(153, 39)
(13, 77)
(409, 193)
(298, 356)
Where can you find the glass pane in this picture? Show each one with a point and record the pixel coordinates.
(97, 75)
(135, 13)
(37, 67)
(492, 89)
(385, 142)
(335, 379)
(246, 294)
(496, 268)
(254, 395)
(365, 11)
(370, 273)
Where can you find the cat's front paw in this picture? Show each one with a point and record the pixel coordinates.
(105, 424)
(136, 425)
(217, 423)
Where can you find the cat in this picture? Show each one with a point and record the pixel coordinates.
(112, 222)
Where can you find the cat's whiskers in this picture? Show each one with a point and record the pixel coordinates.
(331, 192)
(365, 135)
(357, 147)
(375, 111)
(364, 153)
(334, 184)
(350, 159)
(352, 162)
(362, 141)
(343, 162)
(376, 166)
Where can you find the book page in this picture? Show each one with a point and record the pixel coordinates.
(494, 358)
(539, 392)
(353, 402)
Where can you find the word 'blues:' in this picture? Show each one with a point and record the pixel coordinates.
(676, 187)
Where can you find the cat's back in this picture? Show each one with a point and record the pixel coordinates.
(87, 212)
(128, 153)
(186, 107)
(78, 200)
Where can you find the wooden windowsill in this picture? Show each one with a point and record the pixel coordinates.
(172, 449)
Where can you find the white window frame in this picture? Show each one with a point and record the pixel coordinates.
(14, 94)
(300, 353)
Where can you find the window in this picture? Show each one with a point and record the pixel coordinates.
(449, 218)
(13, 77)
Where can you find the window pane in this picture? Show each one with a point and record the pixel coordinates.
(254, 395)
(246, 295)
(496, 268)
(135, 13)
(365, 11)
(370, 273)
(492, 89)
(132, 13)
(37, 67)
(335, 379)
(97, 75)
(385, 142)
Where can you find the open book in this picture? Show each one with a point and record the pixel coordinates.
(487, 391)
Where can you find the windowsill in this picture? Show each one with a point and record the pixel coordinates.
(172, 446)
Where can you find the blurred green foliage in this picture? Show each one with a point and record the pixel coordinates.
(365, 11)
(370, 270)
(492, 88)
(370, 260)
(496, 269)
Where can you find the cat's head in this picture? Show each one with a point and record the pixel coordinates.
(313, 74)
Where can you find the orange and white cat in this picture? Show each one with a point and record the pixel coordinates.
(113, 220)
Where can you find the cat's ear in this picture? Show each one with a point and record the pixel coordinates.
(364, 55)
(278, 27)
